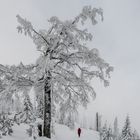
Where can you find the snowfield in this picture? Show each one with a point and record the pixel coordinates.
(61, 133)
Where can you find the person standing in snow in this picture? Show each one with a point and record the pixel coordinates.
(79, 131)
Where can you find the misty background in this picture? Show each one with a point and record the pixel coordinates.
(117, 39)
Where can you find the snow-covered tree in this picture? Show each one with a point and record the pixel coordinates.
(13, 80)
(126, 131)
(27, 112)
(103, 133)
(6, 124)
(135, 135)
(26, 115)
(106, 133)
(110, 134)
(116, 129)
(65, 66)
(63, 52)
(32, 131)
(40, 109)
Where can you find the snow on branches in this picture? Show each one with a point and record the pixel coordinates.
(65, 56)
(63, 52)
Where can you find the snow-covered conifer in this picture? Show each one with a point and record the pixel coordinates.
(104, 132)
(135, 135)
(110, 134)
(6, 124)
(26, 116)
(126, 131)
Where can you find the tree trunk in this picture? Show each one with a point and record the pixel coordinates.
(47, 106)
(97, 122)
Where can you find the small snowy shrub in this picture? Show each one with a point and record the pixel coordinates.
(6, 125)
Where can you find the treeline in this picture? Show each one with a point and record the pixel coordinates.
(108, 132)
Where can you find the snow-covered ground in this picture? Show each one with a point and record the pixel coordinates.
(61, 133)
(64, 133)
(19, 133)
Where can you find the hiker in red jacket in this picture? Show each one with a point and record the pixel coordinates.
(79, 131)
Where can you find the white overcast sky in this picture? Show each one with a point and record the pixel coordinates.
(117, 38)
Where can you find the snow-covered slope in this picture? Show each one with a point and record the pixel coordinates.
(64, 133)
(61, 133)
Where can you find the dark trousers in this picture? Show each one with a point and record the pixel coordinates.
(79, 134)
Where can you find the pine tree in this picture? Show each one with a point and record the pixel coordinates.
(106, 133)
(126, 131)
(26, 116)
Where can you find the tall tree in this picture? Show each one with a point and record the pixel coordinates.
(65, 66)
(63, 53)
